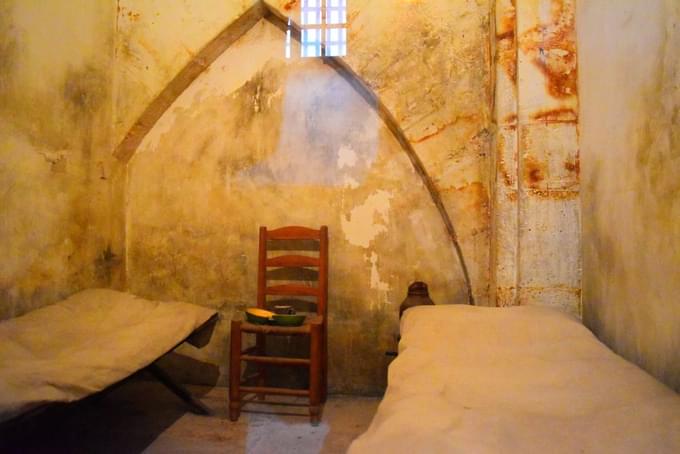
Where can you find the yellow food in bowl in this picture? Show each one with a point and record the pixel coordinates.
(257, 312)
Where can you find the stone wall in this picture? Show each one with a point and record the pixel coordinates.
(536, 216)
(630, 141)
(55, 143)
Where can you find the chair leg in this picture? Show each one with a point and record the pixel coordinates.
(324, 367)
(315, 360)
(235, 371)
(261, 344)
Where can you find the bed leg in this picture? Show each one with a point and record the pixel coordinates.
(179, 390)
(235, 371)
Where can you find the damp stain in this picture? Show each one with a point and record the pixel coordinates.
(9, 50)
(85, 90)
(552, 47)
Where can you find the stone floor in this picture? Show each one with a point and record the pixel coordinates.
(142, 416)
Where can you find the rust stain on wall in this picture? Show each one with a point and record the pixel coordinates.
(472, 199)
(554, 194)
(502, 164)
(553, 48)
(573, 166)
(437, 129)
(126, 12)
(510, 121)
(506, 176)
(289, 5)
(534, 171)
(506, 43)
(562, 115)
(506, 296)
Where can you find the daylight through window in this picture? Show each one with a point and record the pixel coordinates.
(323, 26)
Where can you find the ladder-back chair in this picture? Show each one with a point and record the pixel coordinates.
(293, 245)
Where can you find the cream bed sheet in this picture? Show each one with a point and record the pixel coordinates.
(81, 345)
(515, 380)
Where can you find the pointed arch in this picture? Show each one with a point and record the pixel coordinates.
(206, 56)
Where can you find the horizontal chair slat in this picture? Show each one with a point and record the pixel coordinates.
(293, 233)
(292, 260)
(289, 289)
(276, 360)
(268, 390)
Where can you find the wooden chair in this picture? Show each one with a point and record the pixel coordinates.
(285, 239)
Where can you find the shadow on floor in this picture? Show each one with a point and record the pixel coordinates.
(143, 416)
(125, 419)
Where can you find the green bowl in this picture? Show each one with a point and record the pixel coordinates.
(288, 320)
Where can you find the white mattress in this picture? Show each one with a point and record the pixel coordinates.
(510, 380)
(81, 345)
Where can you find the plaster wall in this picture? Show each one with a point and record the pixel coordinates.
(154, 40)
(441, 66)
(270, 141)
(428, 62)
(55, 117)
(630, 141)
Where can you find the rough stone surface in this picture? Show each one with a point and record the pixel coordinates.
(630, 140)
(535, 202)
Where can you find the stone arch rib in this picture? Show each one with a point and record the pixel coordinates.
(146, 121)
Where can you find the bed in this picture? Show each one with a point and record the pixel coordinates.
(86, 343)
(522, 379)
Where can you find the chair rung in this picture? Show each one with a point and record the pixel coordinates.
(302, 330)
(292, 290)
(293, 260)
(268, 390)
(276, 360)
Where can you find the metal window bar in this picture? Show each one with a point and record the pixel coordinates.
(324, 29)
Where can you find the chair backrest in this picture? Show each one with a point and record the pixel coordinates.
(302, 258)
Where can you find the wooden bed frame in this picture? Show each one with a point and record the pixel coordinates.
(198, 338)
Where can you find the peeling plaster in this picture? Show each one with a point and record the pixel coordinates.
(365, 222)
(376, 283)
(347, 157)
